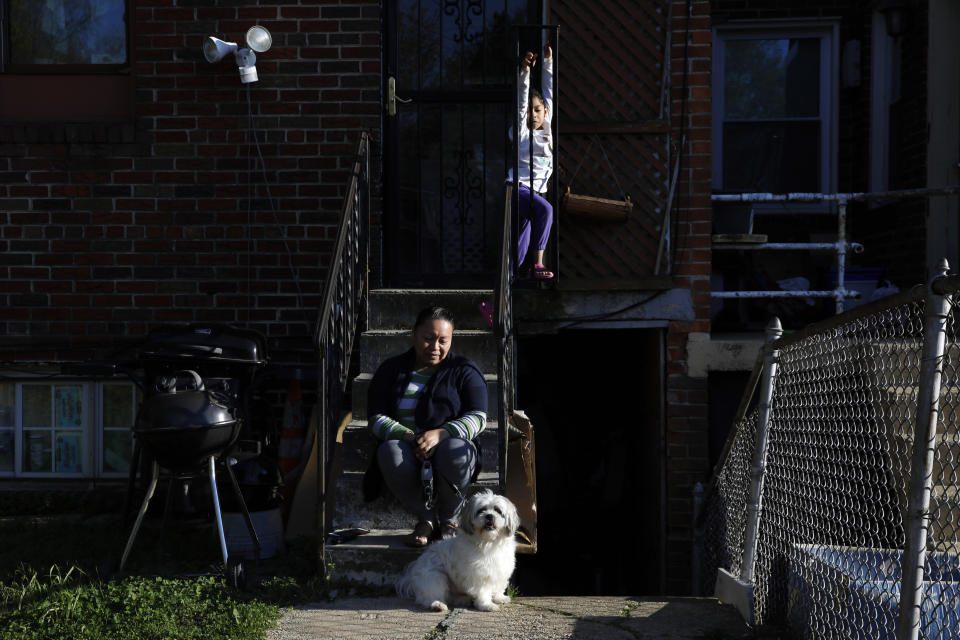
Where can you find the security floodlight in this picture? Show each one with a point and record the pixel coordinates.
(214, 49)
(258, 39)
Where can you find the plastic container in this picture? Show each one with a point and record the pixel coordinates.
(854, 592)
(862, 279)
(269, 526)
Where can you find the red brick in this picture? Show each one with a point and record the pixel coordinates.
(301, 12)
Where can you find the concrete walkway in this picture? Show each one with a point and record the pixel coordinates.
(541, 618)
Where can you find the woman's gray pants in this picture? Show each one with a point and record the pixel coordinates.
(453, 459)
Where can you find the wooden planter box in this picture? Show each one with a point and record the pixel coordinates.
(596, 208)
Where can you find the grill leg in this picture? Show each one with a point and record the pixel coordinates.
(216, 509)
(166, 511)
(143, 511)
(132, 480)
(246, 512)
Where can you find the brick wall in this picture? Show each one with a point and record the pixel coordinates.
(686, 402)
(112, 227)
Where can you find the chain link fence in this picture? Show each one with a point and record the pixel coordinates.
(835, 511)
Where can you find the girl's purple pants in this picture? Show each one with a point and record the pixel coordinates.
(535, 220)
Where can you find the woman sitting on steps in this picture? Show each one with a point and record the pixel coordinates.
(427, 406)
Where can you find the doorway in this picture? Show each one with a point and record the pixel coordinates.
(595, 400)
(451, 63)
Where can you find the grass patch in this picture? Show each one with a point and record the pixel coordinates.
(68, 604)
(51, 587)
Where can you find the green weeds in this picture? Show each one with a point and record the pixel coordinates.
(68, 604)
(51, 588)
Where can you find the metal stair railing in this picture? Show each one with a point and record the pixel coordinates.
(506, 340)
(344, 299)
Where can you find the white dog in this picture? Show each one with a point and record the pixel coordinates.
(474, 566)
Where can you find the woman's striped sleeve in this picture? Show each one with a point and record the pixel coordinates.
(386, 428)
(468, 426)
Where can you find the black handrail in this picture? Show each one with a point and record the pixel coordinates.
(344, 299)
(503, 330)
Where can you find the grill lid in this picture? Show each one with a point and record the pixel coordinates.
(211, 341)
(176, 409)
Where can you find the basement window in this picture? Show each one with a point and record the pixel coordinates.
(66, 429)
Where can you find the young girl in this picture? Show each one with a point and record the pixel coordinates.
(536, 214)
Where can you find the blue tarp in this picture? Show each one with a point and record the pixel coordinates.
(854, 592)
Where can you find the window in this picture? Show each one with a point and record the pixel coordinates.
(66, 32)
(53, 425)
(65, 60)
(68, 429)
(775, 107)
(118, 408)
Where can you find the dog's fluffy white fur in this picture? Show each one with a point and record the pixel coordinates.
(472, 567)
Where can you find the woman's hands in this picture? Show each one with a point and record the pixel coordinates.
(424, 444)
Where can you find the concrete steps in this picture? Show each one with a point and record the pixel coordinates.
(358, 444)
(384, 512)
(395, 308)
(378, 344)
(378, 557)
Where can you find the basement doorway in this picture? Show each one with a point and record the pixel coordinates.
(595, 397)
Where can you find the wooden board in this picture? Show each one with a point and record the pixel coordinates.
(601, 209)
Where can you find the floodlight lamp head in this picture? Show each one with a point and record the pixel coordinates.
(215, 49)
(258, 40)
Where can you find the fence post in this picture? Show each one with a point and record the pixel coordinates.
(697, 559)
(841, 253)
(774, 330)
(921, 466)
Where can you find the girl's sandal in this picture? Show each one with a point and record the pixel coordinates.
(420, 537)
(486, 310)
(540, 272)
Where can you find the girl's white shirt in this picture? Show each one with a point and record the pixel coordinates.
(542, 138)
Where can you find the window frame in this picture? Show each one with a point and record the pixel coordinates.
(828, 31)
(101, 429)
(93, 429)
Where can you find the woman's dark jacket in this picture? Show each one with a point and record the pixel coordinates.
(457, 387)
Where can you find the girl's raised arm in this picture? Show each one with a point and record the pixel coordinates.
(527, 60)
(547, 80)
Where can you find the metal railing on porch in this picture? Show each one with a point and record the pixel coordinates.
(841, 246)
(835, 508)
(344, 300)
(553, 39)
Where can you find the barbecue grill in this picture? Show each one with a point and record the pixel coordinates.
(196, 383)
